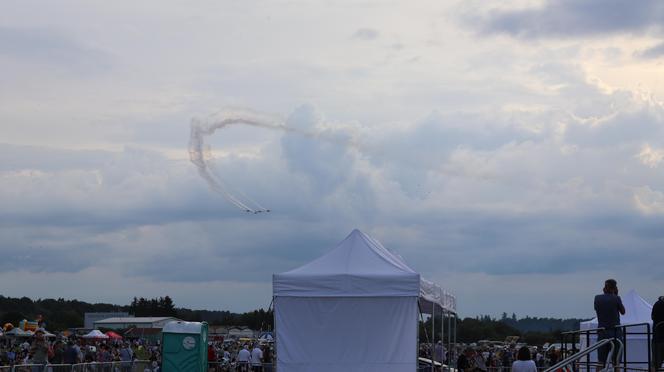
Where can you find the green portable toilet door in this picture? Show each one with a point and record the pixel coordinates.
(184, 347)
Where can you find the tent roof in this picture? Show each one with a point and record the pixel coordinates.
(637, 310)
(95, 333)
(359, 266)
(113, 335)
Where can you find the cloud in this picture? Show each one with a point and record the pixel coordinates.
(650, 157)
(325, 161)
(49, 48)
(653, 52)
(492, 168)
(573, 18)
(366, 34)
(648, 200)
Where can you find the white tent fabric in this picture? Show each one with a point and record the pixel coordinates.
(95, 333)
(637, 311)
(432, 293)
(362, 297)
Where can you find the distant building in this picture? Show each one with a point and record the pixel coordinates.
(90, 318)
(134, 322)
(217, 331)
(240, 332)
(151, 335)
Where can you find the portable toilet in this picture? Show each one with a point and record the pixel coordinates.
(184, 346)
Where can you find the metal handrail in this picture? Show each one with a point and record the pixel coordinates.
(610, 353)
(573, 358)
(625, 333)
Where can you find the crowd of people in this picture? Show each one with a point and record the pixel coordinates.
(518, 359)
(72, 350)
(240, 356)
(492, 358)
(124, 355)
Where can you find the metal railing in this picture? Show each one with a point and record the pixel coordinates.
(567, 364)
(626, 330)
(133, 366)
(235, 366)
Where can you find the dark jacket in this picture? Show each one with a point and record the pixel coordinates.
(658, 317)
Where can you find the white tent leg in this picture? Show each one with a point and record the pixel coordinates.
(442, 338)
(433, 335)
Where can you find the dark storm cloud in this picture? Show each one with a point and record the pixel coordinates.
(232, 257)
(576, 18)
(546, 243)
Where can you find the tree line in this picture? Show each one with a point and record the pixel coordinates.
(60, 314)
(533, 331)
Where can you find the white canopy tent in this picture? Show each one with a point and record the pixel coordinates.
(363, 298)
(637, 311)
(95, 334)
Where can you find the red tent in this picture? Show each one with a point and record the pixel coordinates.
(113, 336)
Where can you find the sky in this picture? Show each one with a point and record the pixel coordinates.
(512, 152)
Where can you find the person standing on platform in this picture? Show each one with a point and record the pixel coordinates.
(658, 333)
(609, 307)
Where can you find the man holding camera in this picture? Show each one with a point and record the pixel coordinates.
(609, 307)
(658, 336)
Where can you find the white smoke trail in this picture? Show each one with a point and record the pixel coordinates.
(200, 129)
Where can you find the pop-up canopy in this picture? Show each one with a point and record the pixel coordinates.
(96, 334)
(363, 298)
(113, 336)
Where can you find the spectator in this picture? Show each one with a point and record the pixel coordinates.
(211, 357)
(257, 359)
(243, 359)
(39, 350)
(524, 362)
(658, 336)
(71, 354)
(126, 356)
(439, 351)
(609, 307)
(464, 361)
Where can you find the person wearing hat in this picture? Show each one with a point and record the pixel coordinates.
(658, 333)
(39, 350)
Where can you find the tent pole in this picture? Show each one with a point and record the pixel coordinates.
(433, 334)
(455, 334)
(275, 354)
(442, 338)
(449, 339)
